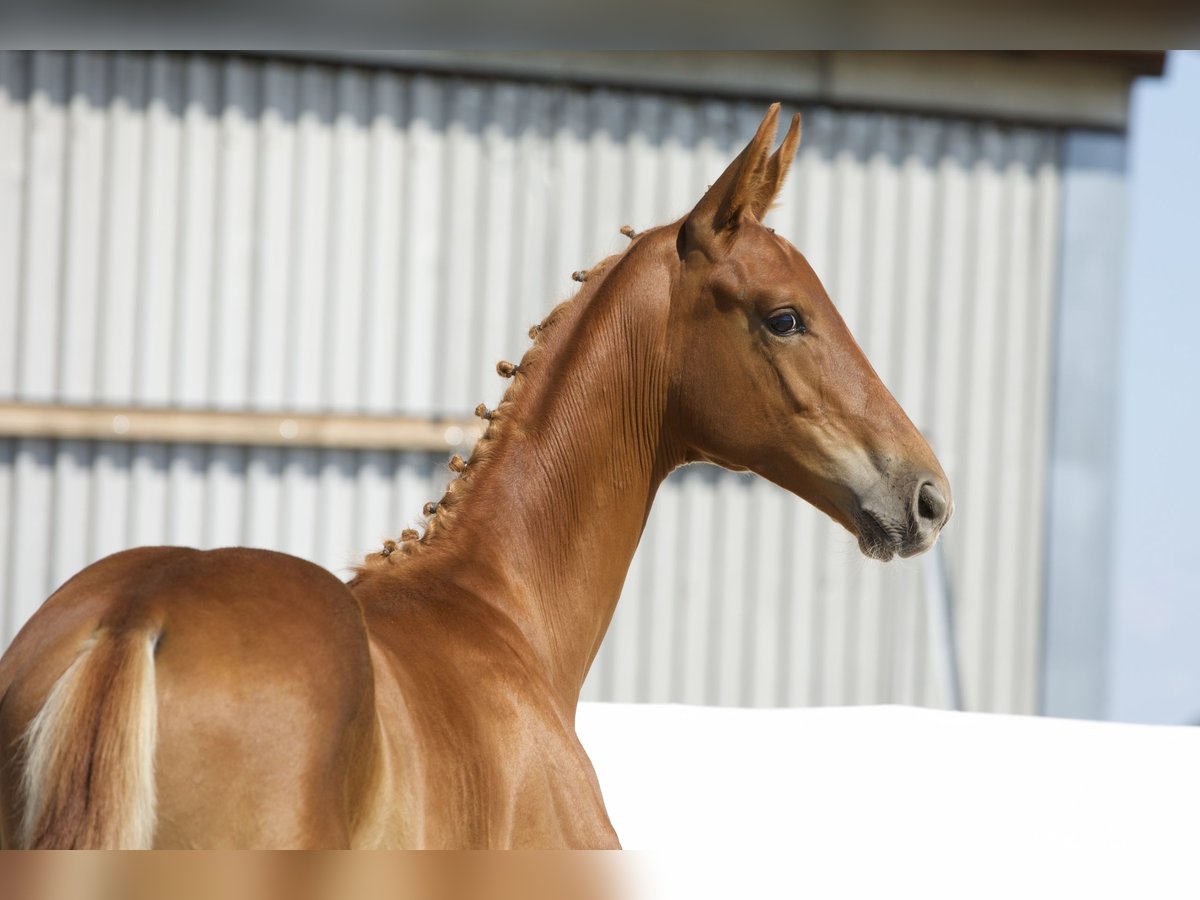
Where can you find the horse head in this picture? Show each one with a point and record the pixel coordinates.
(769, 379)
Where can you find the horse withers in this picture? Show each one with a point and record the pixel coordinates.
(169, 697)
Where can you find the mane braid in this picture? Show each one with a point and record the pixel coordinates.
(440, 515)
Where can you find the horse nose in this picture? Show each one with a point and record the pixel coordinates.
(933, 509)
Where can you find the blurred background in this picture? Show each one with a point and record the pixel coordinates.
(252, 299)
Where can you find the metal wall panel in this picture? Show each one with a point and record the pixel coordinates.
(67, 503)
(216, 232)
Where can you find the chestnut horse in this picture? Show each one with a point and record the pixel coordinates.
(168, 697)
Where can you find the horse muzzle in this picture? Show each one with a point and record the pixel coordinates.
(903, 522)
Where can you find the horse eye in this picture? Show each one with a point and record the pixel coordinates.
(785, 321)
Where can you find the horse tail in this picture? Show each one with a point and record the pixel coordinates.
(88, 774)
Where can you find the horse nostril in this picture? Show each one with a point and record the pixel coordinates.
(931, 504)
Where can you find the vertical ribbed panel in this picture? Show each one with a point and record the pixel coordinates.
(203, 231)
(67, 503)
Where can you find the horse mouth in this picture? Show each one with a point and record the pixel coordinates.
(875, 539)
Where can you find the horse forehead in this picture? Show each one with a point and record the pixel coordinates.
(771, 258)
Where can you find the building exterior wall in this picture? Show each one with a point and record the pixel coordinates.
(221, 233)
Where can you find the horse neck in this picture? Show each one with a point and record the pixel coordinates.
(556, 495)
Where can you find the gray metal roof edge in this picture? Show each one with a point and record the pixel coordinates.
(1063, 89)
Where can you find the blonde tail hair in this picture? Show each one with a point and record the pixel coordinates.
(88, 774)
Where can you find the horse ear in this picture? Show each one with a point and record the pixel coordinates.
(777, 169)
(744, 188)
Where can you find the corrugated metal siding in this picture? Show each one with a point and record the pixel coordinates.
(67, 503)
(213, 232)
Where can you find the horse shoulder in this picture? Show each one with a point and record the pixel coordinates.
(477, 736)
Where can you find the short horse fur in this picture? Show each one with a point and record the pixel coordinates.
(168, 697)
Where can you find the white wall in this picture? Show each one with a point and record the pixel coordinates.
(202, 231)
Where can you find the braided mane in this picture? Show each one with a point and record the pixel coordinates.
(440, 515)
